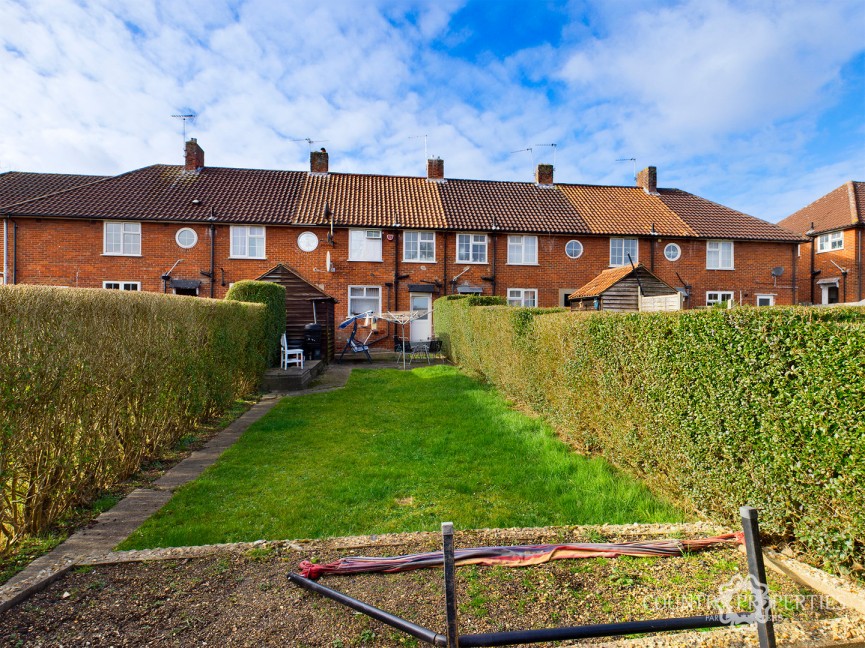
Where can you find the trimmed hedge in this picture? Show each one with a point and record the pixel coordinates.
(272, 295)
(93, 382)
(717, 408)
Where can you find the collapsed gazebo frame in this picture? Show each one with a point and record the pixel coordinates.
(761, 616)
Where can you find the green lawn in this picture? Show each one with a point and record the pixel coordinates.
(396, 451)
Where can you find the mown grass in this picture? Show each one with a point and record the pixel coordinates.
(396, 451)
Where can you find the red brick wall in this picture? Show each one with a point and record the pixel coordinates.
(69, 253)
(846, 258)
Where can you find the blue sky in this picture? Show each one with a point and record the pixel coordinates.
(759, 105)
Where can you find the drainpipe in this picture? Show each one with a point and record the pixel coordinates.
(810, 235)
(396, 270)
(445, 262)
(5, 250)
(14, 252)
(795, 256)
(493, 282)
(212, 259)
(859, 277)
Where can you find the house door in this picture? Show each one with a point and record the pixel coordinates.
(830, 294)
(421, 329)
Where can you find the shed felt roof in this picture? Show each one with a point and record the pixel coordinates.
(16, 186)
(609, 278)
(840, 208)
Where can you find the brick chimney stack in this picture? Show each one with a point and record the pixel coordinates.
(318, 161)
(194, 156)
(435, 169)
(544, 174)
(648, 180)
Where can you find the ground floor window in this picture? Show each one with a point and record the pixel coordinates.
(522, 297)
(717, 296)
(122, 285)
(765, 300)
(364, 298)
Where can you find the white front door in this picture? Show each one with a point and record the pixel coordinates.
(421, 329)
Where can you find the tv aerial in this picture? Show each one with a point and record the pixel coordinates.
(309, 141)
(634, 160)
(189, 117)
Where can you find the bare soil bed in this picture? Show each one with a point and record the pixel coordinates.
(240, 596)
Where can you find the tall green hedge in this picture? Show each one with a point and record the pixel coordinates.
(272, 295)
(93, 382)
(717, 408)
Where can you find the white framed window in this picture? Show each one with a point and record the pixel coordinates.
(522, 249)
(247, 241)
(419, 247)
(186, 237)
(364, 298)
(719, 255)
(672, 252)
(765, 300)
(717, 296)
(830, 241)
(364, 245)
(574, 249)
(122, 239)
(621, 249)
(471, 248)
(522, 297)
(122, 285)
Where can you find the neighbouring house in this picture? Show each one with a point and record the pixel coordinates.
(830, 266)
(626, 289)
(18, 186)
(374, 242)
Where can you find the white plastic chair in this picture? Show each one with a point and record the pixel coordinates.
(289, 356)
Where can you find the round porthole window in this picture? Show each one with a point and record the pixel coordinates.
(186, 237)
(574, 249)
(672, 252)
(307, 241)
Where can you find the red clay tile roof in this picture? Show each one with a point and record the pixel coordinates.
(624, 210)
(714, 221)
(165, 193)
(370, 201)
(840, 208)
(17, 186)
(509, 206)
(607, 279)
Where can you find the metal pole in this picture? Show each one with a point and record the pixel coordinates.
(419, 632)
(757, 573)
(452, 631)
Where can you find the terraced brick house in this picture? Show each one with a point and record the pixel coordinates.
(390, 243)
(830, 265)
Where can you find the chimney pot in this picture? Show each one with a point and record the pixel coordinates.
(318, 161)
(648, 180)
(544, 174)
(435, 169)
(194, 156)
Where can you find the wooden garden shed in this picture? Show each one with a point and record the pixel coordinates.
(626, 289)
(305, 304)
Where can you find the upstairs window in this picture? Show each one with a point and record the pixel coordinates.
(830, 241)
(364, 245)
(419, 246)
(471, 248)
(621, 249)
(719, 255)
(122, 239)
(523, 250)
(247, 242)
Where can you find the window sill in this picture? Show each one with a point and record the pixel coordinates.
(827, 251)
(119, 254)
(239, 258)
(471, 262)
(522, 264)
(729, 269)
(366, 260)
(432, 261)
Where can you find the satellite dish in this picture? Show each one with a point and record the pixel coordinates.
(777, 271)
